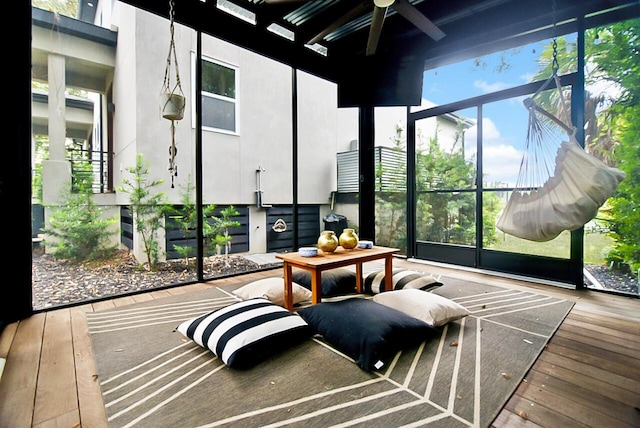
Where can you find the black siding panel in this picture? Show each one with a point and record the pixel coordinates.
(126, 227)
(308, 227)
(239, 235)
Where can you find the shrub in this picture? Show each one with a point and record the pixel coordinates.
(80, 229)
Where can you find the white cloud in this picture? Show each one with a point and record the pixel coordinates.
(501, 163)
(527, 77)
(501, 160)
(488, 88)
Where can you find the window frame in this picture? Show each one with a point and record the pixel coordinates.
(235, 101)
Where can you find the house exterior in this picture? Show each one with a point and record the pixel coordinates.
(261, 121)
(258, 147)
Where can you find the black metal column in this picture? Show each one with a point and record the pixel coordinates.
(366, 168)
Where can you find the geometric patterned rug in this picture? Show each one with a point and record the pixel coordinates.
(152, 376)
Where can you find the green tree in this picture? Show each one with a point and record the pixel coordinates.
(617, 61)
(40, 154)
(391, 197)
(148, 208)
(187, 219)
(63, 7)
(222, 238)
(611, 131)
(79, 227)
(445, 215)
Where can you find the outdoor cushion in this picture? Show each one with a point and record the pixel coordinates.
(272, 289)
(367, 331)
(431, 308)
(245, 333)
(373, 282)
(335, 282)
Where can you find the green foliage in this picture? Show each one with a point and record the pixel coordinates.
(80, 230)
(391, 203)
(63, 7)
(41, 153)
(215, 229)
(596, 246)
(446, 203)
(81, 175)
(445, 216)
(492, 205)
(617, 60)
(187, 218)
(612, 122)
(221, 225)
(624, 212)
(148, 208)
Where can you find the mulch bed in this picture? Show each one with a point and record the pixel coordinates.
(58, 282)
(622, 281)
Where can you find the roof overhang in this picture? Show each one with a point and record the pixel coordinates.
(472, 28)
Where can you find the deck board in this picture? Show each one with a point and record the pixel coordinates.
(56, 392)
(603, 387)
(20, 376)
(535, 412)
(583, 396)
(606, 342)
(599, 357)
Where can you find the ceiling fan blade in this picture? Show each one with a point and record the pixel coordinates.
(340, 22)
(284, 1)
(406, 9)
(377, 20)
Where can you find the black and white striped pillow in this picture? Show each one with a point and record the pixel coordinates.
(373, 282)
(247, 332)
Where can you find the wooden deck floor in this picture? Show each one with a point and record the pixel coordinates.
(589, 374)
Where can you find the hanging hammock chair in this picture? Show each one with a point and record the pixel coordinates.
(560, 186)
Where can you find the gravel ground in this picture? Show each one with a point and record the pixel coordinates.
(58, 282)
(615, 280)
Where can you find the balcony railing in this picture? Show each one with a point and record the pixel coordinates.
(92, 167)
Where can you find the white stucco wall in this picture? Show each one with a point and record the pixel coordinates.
(230, 160)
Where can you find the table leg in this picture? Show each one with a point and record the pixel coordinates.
(316, 286)
(288, 286)
(359, 277)
(388, 273)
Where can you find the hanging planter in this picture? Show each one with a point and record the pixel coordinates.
(172, 99)
(172, 106)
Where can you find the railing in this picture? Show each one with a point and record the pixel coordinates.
(94, 170)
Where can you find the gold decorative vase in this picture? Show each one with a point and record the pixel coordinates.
(348, 239)
(328, 241)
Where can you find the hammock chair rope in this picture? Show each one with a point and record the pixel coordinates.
(556, 190)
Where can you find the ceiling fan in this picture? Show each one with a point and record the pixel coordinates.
(403, 7)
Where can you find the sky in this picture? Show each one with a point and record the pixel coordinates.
(505, 124)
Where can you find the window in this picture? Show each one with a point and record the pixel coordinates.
(219, 96)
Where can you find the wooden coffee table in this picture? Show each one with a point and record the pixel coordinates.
(325, 261)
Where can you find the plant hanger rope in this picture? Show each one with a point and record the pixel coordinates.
(172, 98)
(172, 57)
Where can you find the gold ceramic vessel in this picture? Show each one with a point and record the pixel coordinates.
(328, 241)
(348, 239)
